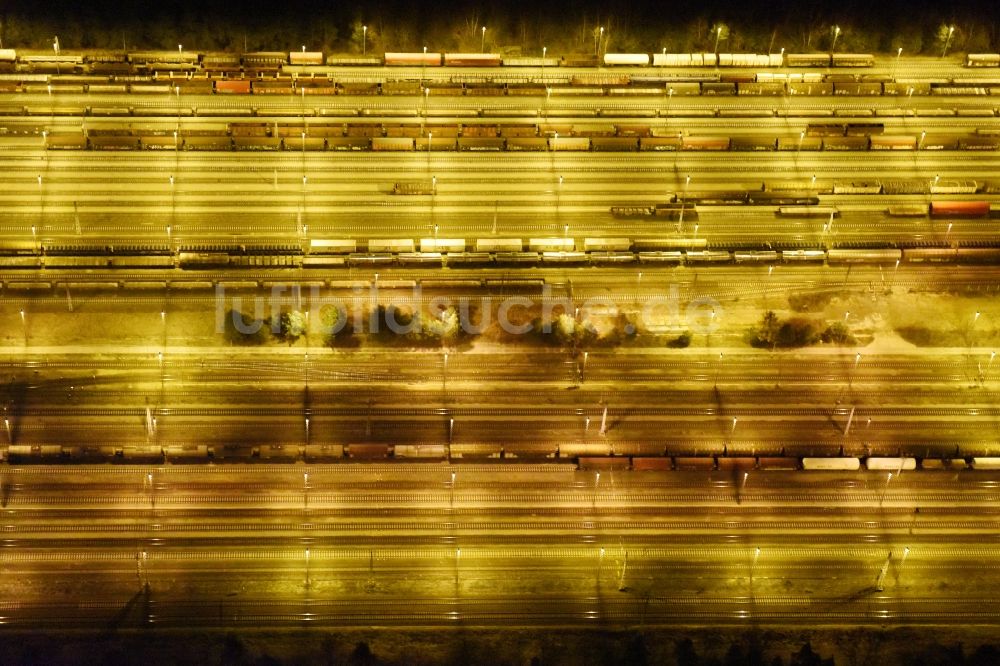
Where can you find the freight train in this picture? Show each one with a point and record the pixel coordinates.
(269, 63)
(181, 60)
(342, 253)
(653, 462)
(321, 135)
(759, 84)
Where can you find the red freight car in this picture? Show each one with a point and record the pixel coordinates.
(237, 86)
(960, 208)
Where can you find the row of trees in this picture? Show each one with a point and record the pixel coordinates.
(376, 32)
(394, 326)
(402, 327)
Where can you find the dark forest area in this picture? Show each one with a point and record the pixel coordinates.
(919, 26)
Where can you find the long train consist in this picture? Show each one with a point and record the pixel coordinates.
(322, 254)
(137, 61)
(749, 84)
(268, 63)
(485, 137)
(583, 459)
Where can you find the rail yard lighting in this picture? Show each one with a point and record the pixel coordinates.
(947, 41)
(482, 43)
(718, 34)
(753, 566)
(836, 33)
(364, 40)
(180, 48)
(899, 52)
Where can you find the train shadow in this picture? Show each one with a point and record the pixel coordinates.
(137, 602)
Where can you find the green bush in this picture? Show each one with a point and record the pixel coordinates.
(795, 332)
(249, 331)
(837, 333)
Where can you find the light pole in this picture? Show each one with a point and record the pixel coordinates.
(364, 40)
(902, 561)
(880, 580)
(680, 217)
(444, 374)
(947, 41)
(307, 568)
(895, 66)
(885, 490)
(482, 42)
(836, 33)
(180, 49)
(718, 34)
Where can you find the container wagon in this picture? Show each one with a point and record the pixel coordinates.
(838, 464)
(471, 60)
(413, 59)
